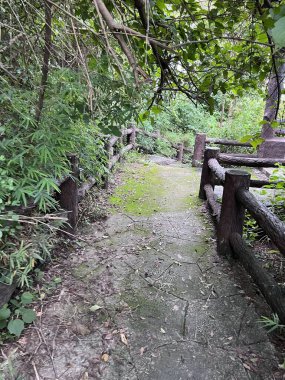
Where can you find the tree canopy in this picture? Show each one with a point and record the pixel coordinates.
(194, 47)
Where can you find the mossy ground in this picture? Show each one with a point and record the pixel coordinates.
(167, 307)
(152, 188)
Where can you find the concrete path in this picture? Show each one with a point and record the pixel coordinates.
(165, 307)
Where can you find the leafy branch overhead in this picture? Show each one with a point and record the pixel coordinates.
(196, 47)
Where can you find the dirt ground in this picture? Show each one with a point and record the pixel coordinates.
(142, 294)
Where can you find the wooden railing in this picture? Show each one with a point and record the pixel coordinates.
(230, 218)
(200, 143)
(116, 147)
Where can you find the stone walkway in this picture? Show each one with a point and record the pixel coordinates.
(165, 307)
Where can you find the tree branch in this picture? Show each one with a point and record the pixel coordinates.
(45, 66)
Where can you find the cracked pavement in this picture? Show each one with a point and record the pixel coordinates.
(169, 307)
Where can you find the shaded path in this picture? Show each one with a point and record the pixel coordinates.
(169, 308)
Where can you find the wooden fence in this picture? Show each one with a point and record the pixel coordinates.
(230, 218)
(116, 146)
(200, 143)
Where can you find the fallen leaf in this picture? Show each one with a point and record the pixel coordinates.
(79, 328)
(105, 357)
(23, 341)
(95, 308)
(124, 339)
(162, 331)
(143, 350)
(108, 336)
(247, 366)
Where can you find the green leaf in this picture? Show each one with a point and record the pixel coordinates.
(4, 313)
(28, 315)
(156, 109)
(15, 327)
(256, 142)
(3, 324)
(246, 138)
(27, 298)
(278, 32)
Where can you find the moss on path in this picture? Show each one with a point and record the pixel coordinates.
(147, 189)
(146, 297)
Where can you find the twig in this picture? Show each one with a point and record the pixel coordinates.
(36, 371)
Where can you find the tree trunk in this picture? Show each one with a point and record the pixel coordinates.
(45, 67)
(274, 87)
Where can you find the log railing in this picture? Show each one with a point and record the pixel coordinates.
(230, 216)
(181, 148)
(71, 194)
(200, 143)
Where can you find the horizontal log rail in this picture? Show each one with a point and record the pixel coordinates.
(181, 149)
(230, 216)
(272, 292)
(249, 161)
(269, 222)
(257, 183)
(211, 198)
(200, 145)
(217, 169)
(280, 132)
(227, 142)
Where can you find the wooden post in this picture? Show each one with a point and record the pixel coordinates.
(232, 212)
(121, 143)
(207, 176)
(68, 198)
(180, 152)
(110, 152)
(133, 136)
(199, 147)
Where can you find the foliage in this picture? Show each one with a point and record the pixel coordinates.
(19, 254)
(272, 324)
(65, 83)
(16, 314)
(164, 148)
(180, 120)
(146, 143)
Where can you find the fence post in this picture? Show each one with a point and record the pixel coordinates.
(199, 147)
(121, 143)
(133, 136)
(232, 212)
(207, 175)
(110, 152)
(68, 198)
(180, 152)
